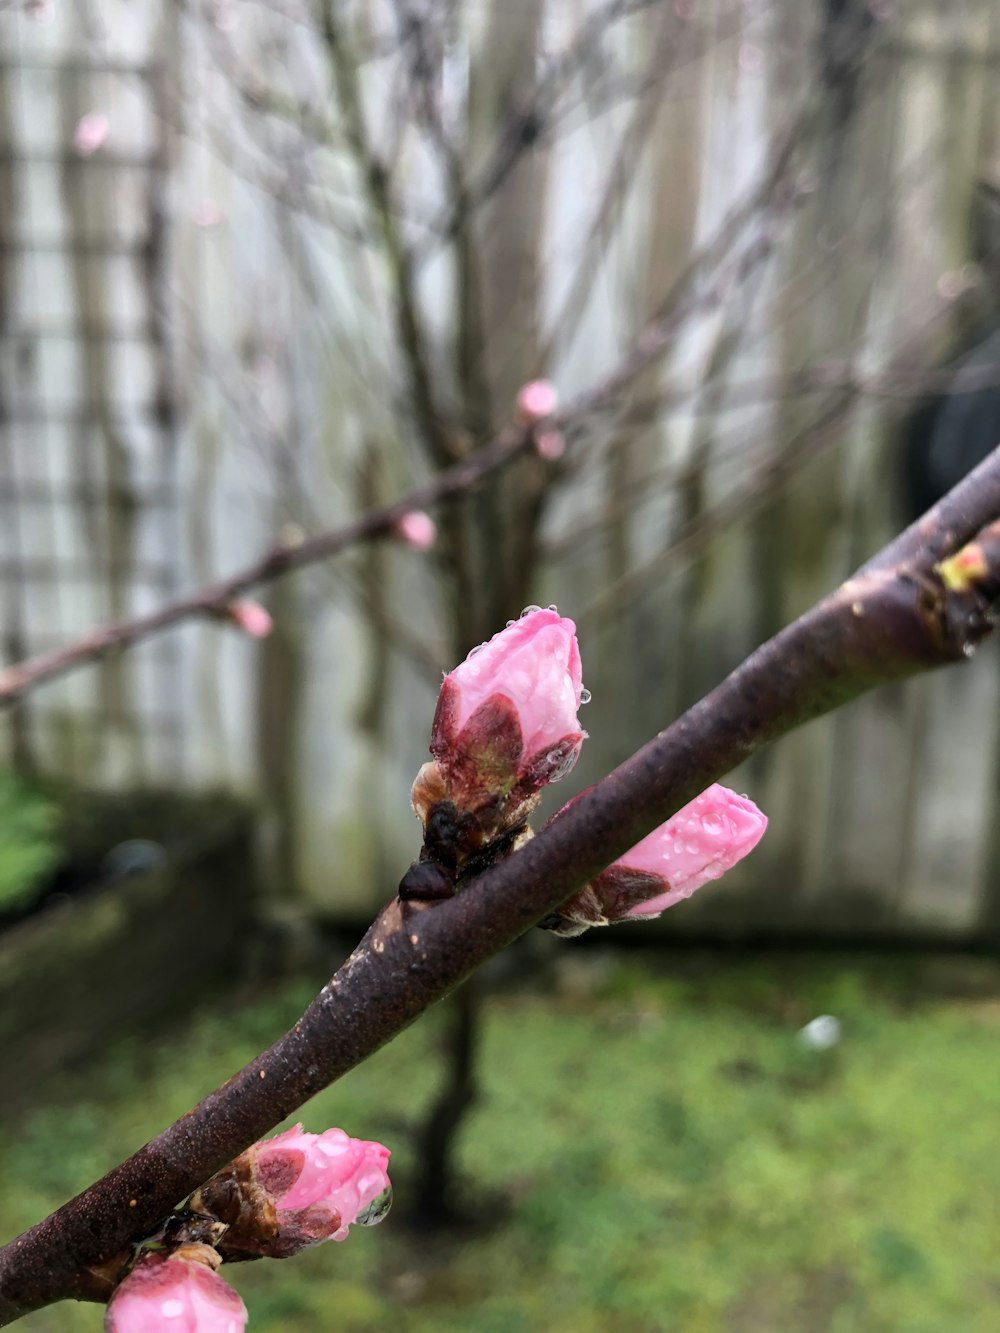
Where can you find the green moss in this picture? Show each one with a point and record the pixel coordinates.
(660, 1155)
(29, 841)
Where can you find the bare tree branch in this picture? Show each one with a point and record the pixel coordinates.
(701, 529)
(16, 680)
(413, 341)
(925, 601)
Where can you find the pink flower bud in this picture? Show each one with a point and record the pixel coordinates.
(250, 617)
(508, 713)
(416, 529)
(295, 1190)
(321, 1183)
(328, 1173)
(536, 400)
(90, 133)
(174, 1294)
(700, 843)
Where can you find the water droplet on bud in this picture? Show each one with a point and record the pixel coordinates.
(511, 622)
(377, 1210)
(712, 825)
(529, 611)
(552, 607)
(585, 696)
(472, 651)
(561, 763)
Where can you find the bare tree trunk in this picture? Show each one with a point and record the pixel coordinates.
(436, 1198)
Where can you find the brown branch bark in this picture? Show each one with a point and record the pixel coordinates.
(903, 612)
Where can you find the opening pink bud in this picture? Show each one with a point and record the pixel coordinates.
(250, 617)
(416, 529)
(700, 843)
(536, 400)
(90, 133)
(169, 1294)
(509, 711)
(322, 1183)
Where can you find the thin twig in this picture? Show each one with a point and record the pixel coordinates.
(410, 333)
(648, 346)
(214, 600)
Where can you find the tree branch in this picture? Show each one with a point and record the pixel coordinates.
(410, 333)
(648, 346)
(18, 679)
(903, 612)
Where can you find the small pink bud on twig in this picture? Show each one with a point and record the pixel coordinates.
(416, 529)
(505, 725)
(507, 715)
(700, 843)
(250, 617)
(90, 133)
(296, 1190)
(178, 1293)
(322, 1183)
(536, 401)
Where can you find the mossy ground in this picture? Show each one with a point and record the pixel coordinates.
(654, 1150)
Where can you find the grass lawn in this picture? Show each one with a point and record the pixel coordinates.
(654, 1150)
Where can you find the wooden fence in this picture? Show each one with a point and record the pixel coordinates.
(200, 355)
